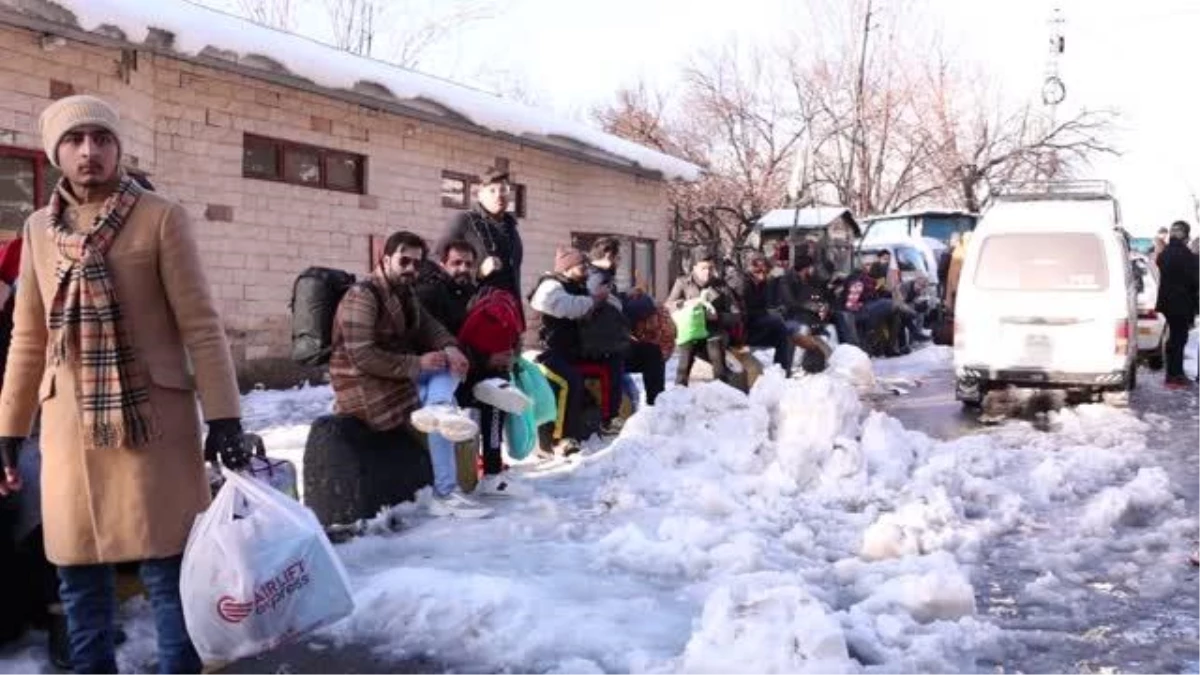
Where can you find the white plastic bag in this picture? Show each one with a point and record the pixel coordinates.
(258, 571)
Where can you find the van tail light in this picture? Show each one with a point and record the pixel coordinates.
(1148, 314)
(1122, 334)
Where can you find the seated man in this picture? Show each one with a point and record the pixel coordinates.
(882, 304)
(643, 357)
(913, 307)
(448, 290)
(858, 317)
(721, 312)
(563, 300)
(764, 326)
(806, 308)
(391, 356)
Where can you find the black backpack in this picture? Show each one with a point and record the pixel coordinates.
(315, 298)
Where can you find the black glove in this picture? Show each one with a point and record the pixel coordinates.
(10, 475)
(225, 439)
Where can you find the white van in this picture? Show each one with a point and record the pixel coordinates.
(1046, 299)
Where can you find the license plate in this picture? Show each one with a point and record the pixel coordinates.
(1038, 348)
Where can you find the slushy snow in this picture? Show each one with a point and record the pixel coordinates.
(788, 530)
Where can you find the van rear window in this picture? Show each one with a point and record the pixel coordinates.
(1042, 262)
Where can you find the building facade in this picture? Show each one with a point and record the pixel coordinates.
(279, 175)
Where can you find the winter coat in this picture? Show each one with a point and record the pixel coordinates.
(757, 298)
(491, 236)
(122, 504)
(722, 297)
(375, 367)
(801, 300)
(446, 300)
(563, 304)
(1179, 269)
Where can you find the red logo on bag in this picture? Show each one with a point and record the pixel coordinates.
(268, 595)
(233, 611)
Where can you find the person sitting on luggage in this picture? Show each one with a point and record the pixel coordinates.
(643, 357)
(855, 318)
(703, 287)
(882, 310)
(563, 300)
(914, 307)
(393, 363)
(806, 307)
(449, 291)
(765, 326)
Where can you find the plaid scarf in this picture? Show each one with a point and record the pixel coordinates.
(86, 330)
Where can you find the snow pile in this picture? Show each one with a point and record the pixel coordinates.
(788, 530)
(198, 30)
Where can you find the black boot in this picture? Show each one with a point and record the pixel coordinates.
(59, 639)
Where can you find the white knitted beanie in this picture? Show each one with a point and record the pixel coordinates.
(68, 113)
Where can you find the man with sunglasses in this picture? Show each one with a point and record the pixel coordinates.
(393, 364)
(491, 230)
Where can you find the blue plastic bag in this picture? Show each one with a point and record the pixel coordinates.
(521, 430)
(530, 380)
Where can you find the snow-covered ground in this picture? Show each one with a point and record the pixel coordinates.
(788, 530)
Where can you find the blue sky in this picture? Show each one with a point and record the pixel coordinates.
(1134, 56)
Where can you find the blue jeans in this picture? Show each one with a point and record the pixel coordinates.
(438, 389)
(89, 598)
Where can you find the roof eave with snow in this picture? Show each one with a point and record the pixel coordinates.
(228, 43)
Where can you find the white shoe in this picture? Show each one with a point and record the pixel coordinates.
(502, 395)
(456, 505)
(455, 425)
(425, 419)
(500, 485)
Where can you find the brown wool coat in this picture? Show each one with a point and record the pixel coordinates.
(375, 365)
(123, 504)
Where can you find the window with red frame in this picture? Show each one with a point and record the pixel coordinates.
(26, 181)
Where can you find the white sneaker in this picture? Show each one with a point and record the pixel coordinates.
(502, 395)
(500, 485)
(455, 425)
(457, 505)
(425, 419)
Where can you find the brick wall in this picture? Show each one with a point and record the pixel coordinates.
(184, 123)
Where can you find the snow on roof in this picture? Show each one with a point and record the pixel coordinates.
(811, 217)
(917, 214)
(196, 29)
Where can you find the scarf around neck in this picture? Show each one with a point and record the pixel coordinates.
(86, 329)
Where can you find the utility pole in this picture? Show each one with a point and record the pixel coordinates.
(858, 143)
(1053, 90)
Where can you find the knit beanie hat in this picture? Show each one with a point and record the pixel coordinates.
(566, 258)
(68, 113)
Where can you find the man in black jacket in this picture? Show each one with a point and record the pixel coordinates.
(492, 231)
(446, 290)
(643, 357)
(759, 296)
(1178, 298)
(705, 287)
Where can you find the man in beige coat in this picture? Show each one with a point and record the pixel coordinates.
(112, 307)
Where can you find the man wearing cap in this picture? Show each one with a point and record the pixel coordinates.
(492, 231)
(112, 306)
(1178, 297)
(563, 300)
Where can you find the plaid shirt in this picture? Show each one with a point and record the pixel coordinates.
(375, 367)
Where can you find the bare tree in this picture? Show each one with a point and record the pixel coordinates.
(736, 115)
(275, 13)
(983, 143)
(400, 31)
